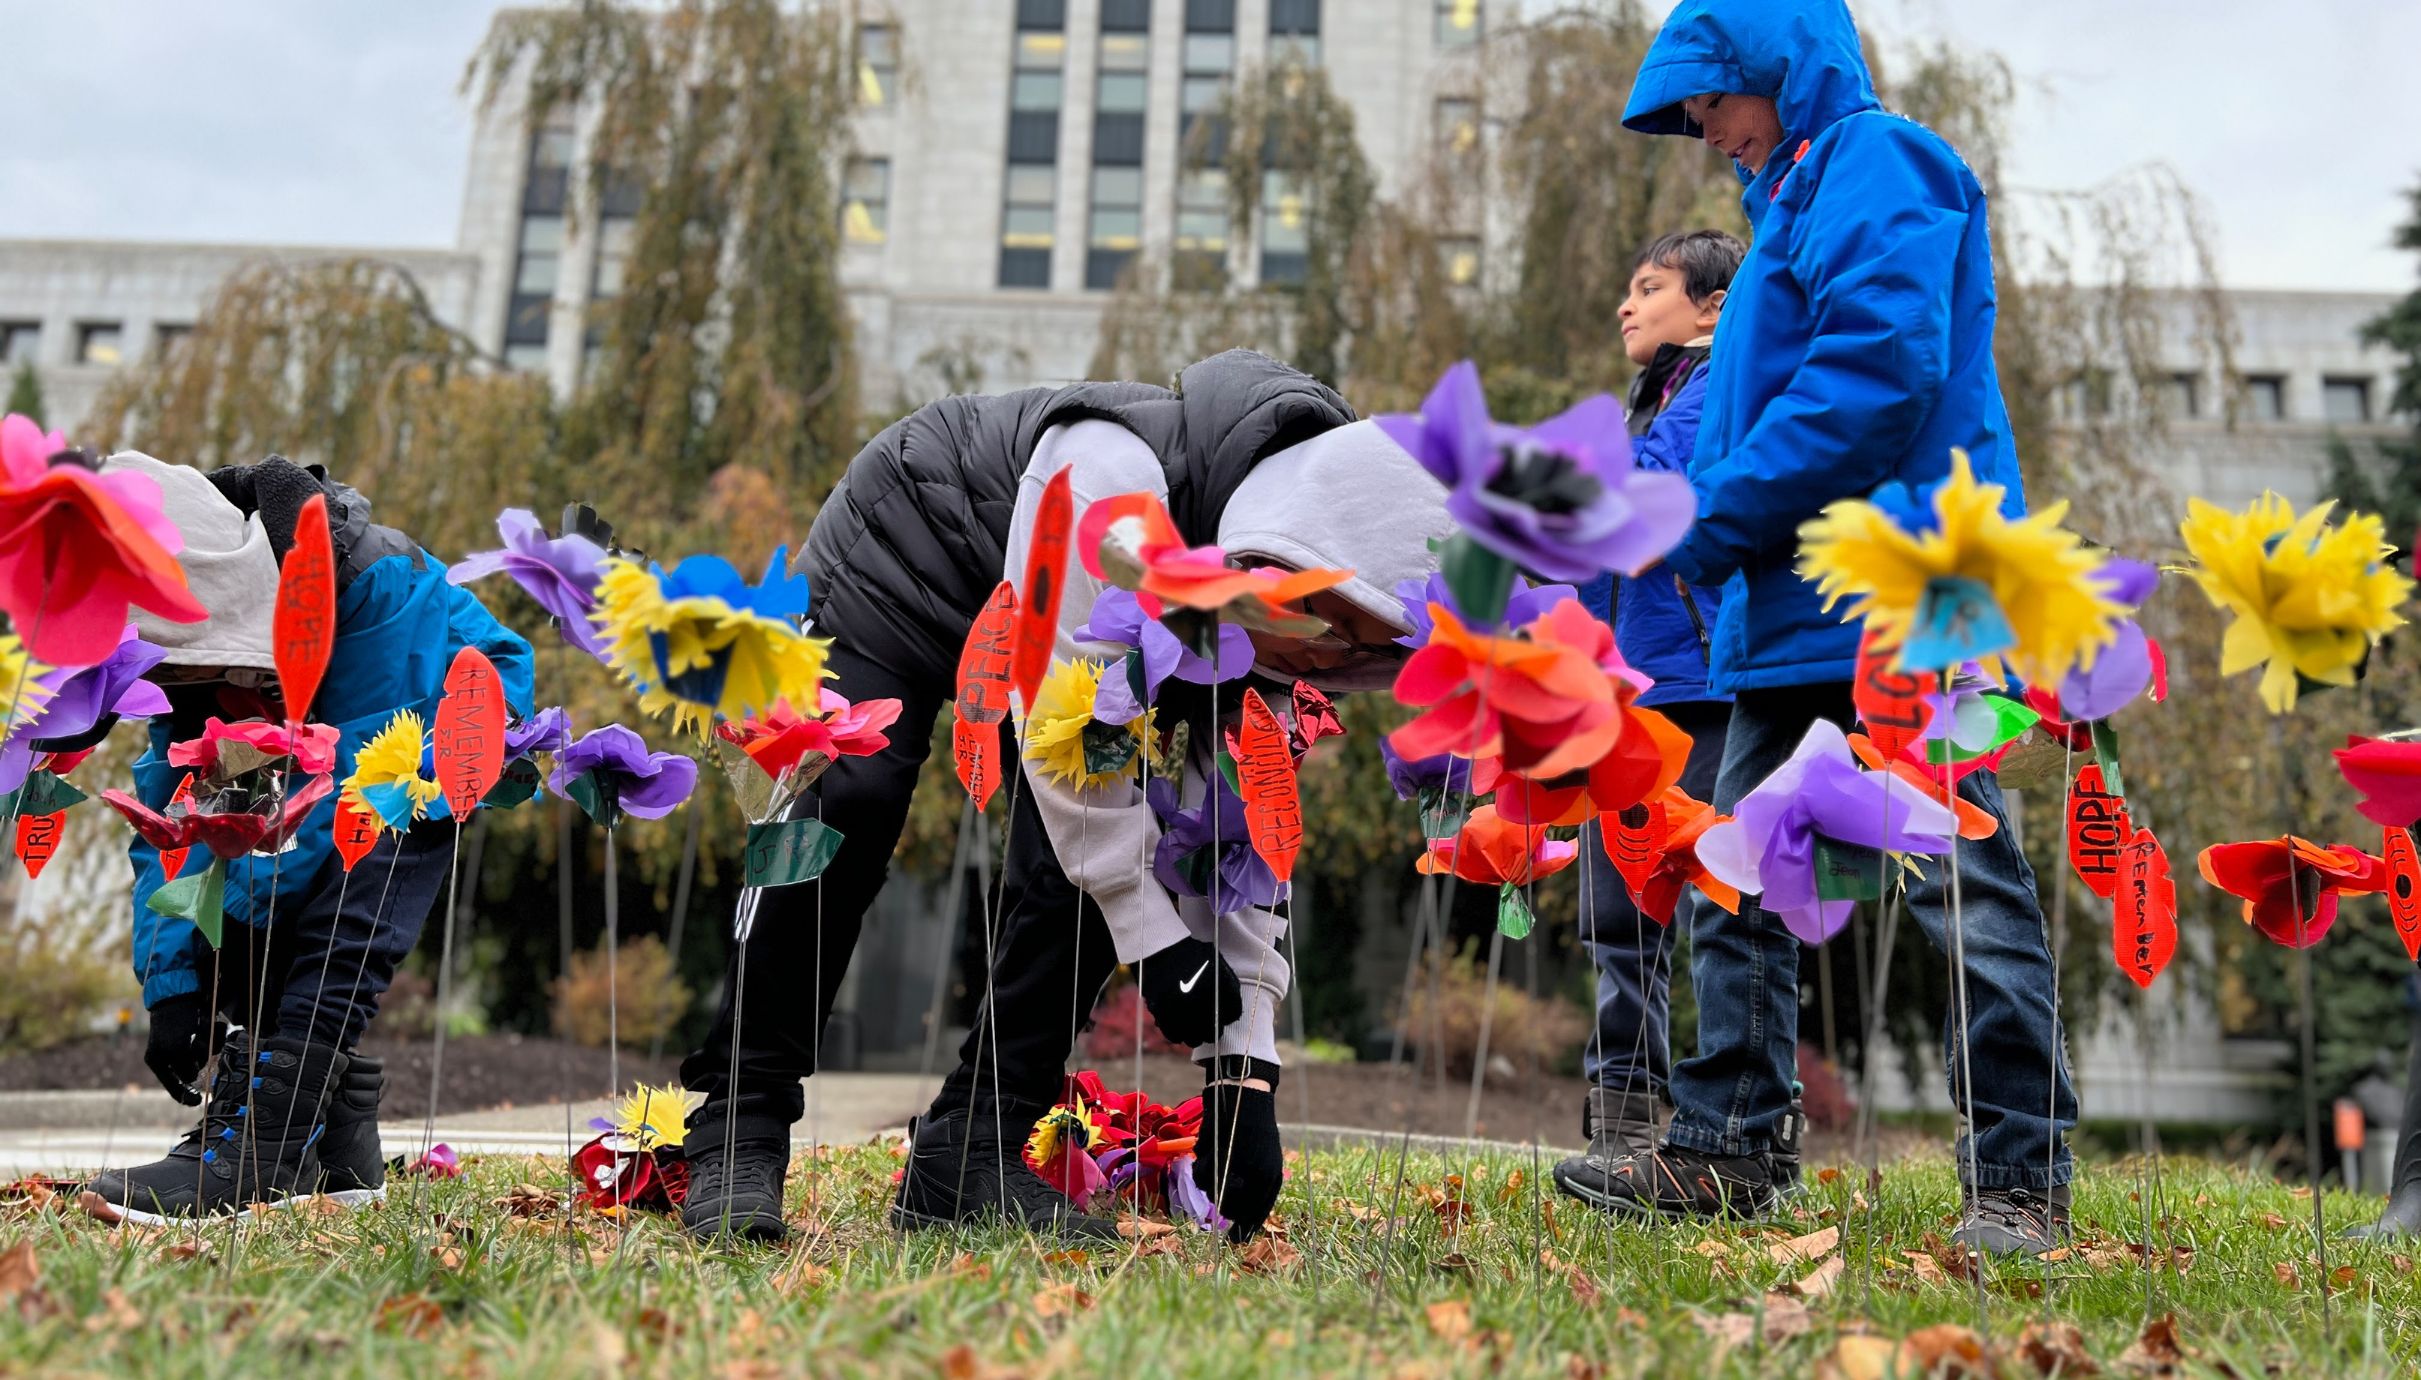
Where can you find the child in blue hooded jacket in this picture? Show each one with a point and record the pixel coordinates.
(292, 1108)
(1855, 350)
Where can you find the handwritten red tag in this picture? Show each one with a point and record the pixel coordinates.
(38, 839)
(356, 832)
(173, 860)
(983, 663)
(1038, 600)
(2098, 830)
(2403, 888)
(2145, 935)
(1265, 770)
(304, 627)
(1634, 841)
(977, 750)
(469, 742)
(1890, 703)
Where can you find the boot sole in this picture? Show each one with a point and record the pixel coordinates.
(117, 1214)
(1625, 1206)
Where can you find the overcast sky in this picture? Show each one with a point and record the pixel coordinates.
(301, 121)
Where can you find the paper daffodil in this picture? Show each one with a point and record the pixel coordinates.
(561, 573)
(1808, 840)
(29, 682)
(1060, 1150)
(1207, 851)
(1067, 743)
(700, 641)
(225, 750)
(1654, 848)
(609, 772)
(2308, 600)
(650, 1118)
(387, 780)
(78, 548)
(2387, 771)
(1562, 498)
(2290, 885)
(1545, 702)
(1132, 542)
(1973, 584)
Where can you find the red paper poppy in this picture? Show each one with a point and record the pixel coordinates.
(1975, 822)
(1646, 759)
(2290, 885)
(1491, 851)
(230, 835)
(780, 738)
(612, 1175)
(1654, 847)
(313, 748)
(2388, 773)
(1541, 701)
(73, 558)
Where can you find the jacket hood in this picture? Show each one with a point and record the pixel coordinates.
(1347, 498)
(228, 564)
(1803, 55)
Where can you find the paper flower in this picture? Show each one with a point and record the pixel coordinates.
(78, 548)
(1118, 618)
(650, 1118)
(615, 1177)
(1772, 845)
(1130, 541)
(1545, 705)
(228, 832)
(2038, 576)
(1417, 778)
(1648, 755)
(780, 739)
(62, 706)
(225, 750)
(1654, 848)
(1972, 720)
(1926, 779)
(1187, 1200)
(1526, 604)
(609, 772)
(387, 780)
(1493, 852)
(2290, 885)
(2308, 599)
(1064, 740)
(2387, 771)
(1207, 851)
(548, 730)
(559, 572)
(1562, 498)
(699, 641)
(1060, 1150)
(441, 1162)
(2130, 665)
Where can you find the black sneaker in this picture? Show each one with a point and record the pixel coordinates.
(968, 1164)
(1674, 1182)
(2014, 1221)
(256, 1143)
(735, 1176)
(1787, 1136)
(352, 1169)
(1618, 1125)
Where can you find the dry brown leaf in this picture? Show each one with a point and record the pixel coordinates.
(2271, 1220)
(1945, 1351)
(447, 1257)
(800, 1274)
(1928, 1270)
(1512, 1186)
(1075, 1258)
(2402, 1264)
(2056, 1348)
(1859, 1358)
(1820, 1281)
(1808, 1247)
(966, 1266)
(1265, 1254)
(1131, 1227)
(414, 1315)
(2287, 1274)
(115, 1314)
(20, 1271)
(1578, 1367)
(186, 1249)
(1584, 1289)
(1450, 1319)
(1059, 1300)
(2155, 1350)
(529, 1200)
(1785, 1318)
(1827, 1175)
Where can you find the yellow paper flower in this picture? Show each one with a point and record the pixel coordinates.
(1063, 710)
(21, 680)
(652, 1118)
(1061, 1125)
(2038, 572)
(689, 649)
(386, 780)
(2309, 599)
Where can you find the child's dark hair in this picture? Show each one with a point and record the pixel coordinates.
(1706, 260)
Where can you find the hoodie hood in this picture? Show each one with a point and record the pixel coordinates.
(1803, 55)
(1348, 498)
(228, 563)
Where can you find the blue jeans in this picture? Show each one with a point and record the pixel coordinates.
(1746, 967)
(1631, 1049)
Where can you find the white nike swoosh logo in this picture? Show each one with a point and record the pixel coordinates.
(1187, 986)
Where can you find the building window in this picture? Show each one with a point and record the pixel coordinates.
(1116, 224)
(167, 335)
(1210, 60)
(1458, 23)
(548, 187)
(1031, 206)
(1200, 261)
(2087, 396)
(1285, 230)
(1119, 99)
(614, 237)
(1455, 128)
(1294, 32)
(100, 342)
(866, 201)
(1026, 226)
(2346, 400)
(877, 64)
(2181, 398)
(20, 341)
(1461, 259)
(2265, 397)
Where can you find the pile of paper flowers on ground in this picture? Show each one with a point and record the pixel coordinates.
(1100, 1147)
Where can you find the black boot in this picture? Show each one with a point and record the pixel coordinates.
(967, 1163)
(257, 1141)
(352, 1169)
(736, 1167)
(1618, 1125)
(2403, 1215)
(1787, 1135)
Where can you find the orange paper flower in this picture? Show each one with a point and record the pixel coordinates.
(1646, 759)
(2290, 885)
(1542, 701)
(1975, 822)
(1493, 852)
(1130, 541)
(1654, 846)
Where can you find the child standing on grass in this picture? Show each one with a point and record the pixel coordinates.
(1856, 350)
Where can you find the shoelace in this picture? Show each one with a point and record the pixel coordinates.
(720, 1175)
(2020, 1212)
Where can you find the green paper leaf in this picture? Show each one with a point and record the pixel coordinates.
(2105, 752)
(1847, 872)
(1513, 918)
(1480, 580)
(1108, 747)
(789, 851)
(518, 783)
(1444, 812)
(2009, 719)
(1227, 771)
(199, 897)
(593, 800)
(1132, 663)
(46, 794)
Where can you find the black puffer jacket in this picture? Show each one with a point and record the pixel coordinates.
(913, 538)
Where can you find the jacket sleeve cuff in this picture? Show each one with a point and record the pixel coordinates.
(176, 982)
(1254, 1034)
(1142, 921)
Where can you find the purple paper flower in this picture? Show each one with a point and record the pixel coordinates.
(1187, 1200)
(548, 730)
(82, 699)
(2120, 674)
(559, 572)
(1562, 498)
(1769, 845)
(2128, 582)
(1117, 618)
(1182, 860)
(1527, 604)
(1419, 777)
(613, 766)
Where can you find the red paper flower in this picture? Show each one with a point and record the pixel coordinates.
(780, 738)
(229, 835)
(2388, 773)
(1654, 846)
(1646, 758)
(614, 1174)
(1544, 701)
(313, 749)
(78, 547)
(1975, 822)
(1492, 851)
(2290, 885)
(1130, 541)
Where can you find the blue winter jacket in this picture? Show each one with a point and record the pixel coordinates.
(399, 625)
(1663, 630)
(1855, 346)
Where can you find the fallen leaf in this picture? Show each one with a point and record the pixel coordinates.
(2271, 1220)
(966, 1266)
(1820, 1281)
(2056, 1348)
(447, 1257)
(1808, 1247)
(414, 1315)
(1265, 1254)
(1785, 1318)
(1827, 1175)
(1928, 1270)
(1860, 1358)
(1945, 1351)
(1584, 1289)
(529, 1200)
(115, 1315)
(2156, 1348)
(1131, 1226)
(186, 1249)
(1450, 1319)
(2287, 1274)
(1076, 1258)
(1058, 1300)
(1713, 1249)
(1512, 1186)
(801, 1273)
(20, 1270)
(1578, 1367)
(2402, 1264)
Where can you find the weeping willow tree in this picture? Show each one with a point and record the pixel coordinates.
(717, 410)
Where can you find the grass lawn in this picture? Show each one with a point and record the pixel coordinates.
(487, 1278)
